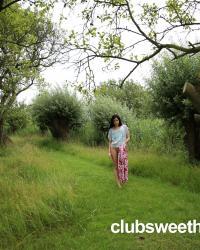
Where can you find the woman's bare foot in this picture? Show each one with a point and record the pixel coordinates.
(118, 184)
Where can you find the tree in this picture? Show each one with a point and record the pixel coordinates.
(193, 94)
(114, 29)
(166, 83)
(17, 116)
(133, 95)
(28, 44)
(59, 111)
(101, 111)
(5, 4)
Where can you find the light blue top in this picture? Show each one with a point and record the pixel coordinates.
(117, 137)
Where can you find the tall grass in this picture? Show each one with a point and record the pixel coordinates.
(147, 135)
(58, 195)
(36, 195)
(30, 129)
(172, 168)
(155, 136)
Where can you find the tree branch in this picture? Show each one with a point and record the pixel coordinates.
(7, 5)
(139, 63)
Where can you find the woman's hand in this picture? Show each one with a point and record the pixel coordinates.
(127, 137)
(109, 155)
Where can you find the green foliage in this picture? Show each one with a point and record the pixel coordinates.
(30, 129)
(45, 5)
(18, 117)
(154, 135)
(88, 135)
(166, 87)
(147, 135)
(105, 26)
(103, 109)
(57, 104)
(131, 94)
(28, 44)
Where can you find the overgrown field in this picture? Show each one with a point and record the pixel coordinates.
(64, 196)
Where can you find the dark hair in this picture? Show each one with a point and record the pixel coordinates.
(112, 119)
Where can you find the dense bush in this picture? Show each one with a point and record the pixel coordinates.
(156, 136)
(146, 134)
(58, 110)
(168, 102)
(132, 94)
(17, 118)
(30, 129)
(166, 83)
(101, 111)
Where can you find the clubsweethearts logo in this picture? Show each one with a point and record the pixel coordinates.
(138, 227)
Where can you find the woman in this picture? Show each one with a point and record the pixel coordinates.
(118, 135)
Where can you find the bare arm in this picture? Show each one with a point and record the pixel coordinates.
(127, 137)
(109, 152)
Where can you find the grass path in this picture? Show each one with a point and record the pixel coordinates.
(97, 201)
(101, 203)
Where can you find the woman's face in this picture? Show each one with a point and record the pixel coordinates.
(116, 122)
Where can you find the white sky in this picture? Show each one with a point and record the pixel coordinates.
(58, 74)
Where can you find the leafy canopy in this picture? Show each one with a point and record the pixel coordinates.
(125, 30)
(129, 31)
(18, 116)
(104, 108)
(58, 104)
(47, 4)
(166, 87)
(28, 44)
(133, 95)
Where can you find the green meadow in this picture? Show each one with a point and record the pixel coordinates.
(57, 195)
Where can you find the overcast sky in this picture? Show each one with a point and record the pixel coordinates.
(59, 75)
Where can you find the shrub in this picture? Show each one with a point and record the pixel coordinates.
(101, 111)
(59, 111)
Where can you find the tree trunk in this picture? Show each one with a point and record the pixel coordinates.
(59, 129)
(197, 141)
(193, 137)
(1, 133)
(3, 138)
(193, 94)
(190, 130)
(197, 118)
(43, 130)
(14, 129)
(54, 132)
